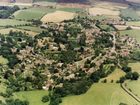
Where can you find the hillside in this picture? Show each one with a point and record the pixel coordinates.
(69, 52)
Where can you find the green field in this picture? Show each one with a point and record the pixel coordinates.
(134, 86)
(11, 22)
(34, 97)
(101, 94)
(71, 9)
(98, 94)
(129, 13)
(132, 33)
(37, 13)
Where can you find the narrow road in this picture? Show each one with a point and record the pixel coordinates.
(129, 92)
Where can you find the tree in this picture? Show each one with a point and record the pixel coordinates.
(122, 79)
(126, 69)
(135, 76)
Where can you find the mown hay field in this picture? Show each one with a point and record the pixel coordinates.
(57, 16)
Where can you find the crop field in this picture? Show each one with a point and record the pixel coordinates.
(134, 86)
(101, 94)
(59, 16)
(11, 22)
(34, 97)
(37, 13)
(132, 33)
(7, 30)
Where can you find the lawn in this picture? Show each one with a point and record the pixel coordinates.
(101, 94)
(11, 22)
(34, 97)
(36, 12)
(134, 86)
(132, 33)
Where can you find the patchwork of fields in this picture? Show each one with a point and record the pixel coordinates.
(100, 93)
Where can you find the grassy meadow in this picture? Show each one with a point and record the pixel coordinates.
(101, 94)
(134, 86)
(12, 22)
(32, 13)
(34, 97)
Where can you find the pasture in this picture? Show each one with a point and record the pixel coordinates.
(101, 94)
(134, 86)
(12, 22)
(34, 97)
(129, 14)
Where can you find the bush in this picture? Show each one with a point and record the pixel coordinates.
(45, 99)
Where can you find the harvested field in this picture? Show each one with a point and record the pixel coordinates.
(57, 16)
(102, 11)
